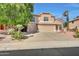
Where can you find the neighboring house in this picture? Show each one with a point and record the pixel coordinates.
(74, 23)
(45, 22)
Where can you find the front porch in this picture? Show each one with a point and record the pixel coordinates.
(58, 28)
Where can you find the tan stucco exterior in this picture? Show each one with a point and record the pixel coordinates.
(32, 28)
(41, 18)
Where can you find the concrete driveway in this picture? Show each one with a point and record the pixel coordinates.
(51, 36)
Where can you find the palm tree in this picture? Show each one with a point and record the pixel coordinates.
(66, 14)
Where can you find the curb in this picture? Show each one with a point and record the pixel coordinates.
(37, 45)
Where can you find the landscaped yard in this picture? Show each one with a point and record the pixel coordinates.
(41, 36)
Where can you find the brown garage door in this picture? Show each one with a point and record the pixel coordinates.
(46, 28)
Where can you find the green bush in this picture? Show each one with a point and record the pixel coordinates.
(77, 34)
(10, 31)
(19, 27)
(17, 35)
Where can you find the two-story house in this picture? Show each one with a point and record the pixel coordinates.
(45, 22)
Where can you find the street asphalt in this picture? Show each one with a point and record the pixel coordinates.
(70, 51)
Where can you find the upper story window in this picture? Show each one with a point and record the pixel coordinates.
(33, 19)
(45, 18)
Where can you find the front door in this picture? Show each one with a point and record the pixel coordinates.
(60, 27)
(56, 27)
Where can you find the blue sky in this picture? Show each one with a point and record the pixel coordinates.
(57, 9)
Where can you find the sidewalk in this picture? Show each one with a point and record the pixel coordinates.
(37, 45)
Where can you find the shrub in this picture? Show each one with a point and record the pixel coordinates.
(77, 34)
(10, 31)
(17, 35)
(19, 27)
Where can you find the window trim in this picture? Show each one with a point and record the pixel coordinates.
(45, 18)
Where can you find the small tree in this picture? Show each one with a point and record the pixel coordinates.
(15, 14)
